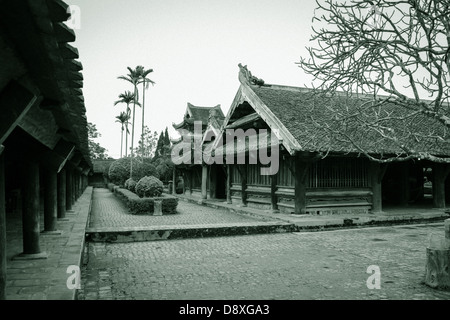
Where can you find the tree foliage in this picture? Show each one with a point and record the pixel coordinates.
(147, 144)
(395, 53)
(97, 152)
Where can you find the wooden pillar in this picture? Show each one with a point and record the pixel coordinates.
(212, 181)
(62, 194)
(243, 171)
(191, 176)
(405, 191)
(174, 180)
(204, 180)
(229, 173)
(440, 173)
(75, 186)
(376, 173)
(273, 196)
(184, 175)
(50, 199)
(300, 178)
(69, 189)
(2, 227)
(30, 208)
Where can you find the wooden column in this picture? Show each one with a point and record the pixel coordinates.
(229, 173)
(204, 181)
(243, 172)
(273, 196)
(75, 186)
(62, 194)
(440, 173)
(50, 199)
(191, 176)
(174, 180)
(184, 174)
(2, 227)
(376, 173)
(69, 189)
(212, 181)
(30, 208)
(300, 177)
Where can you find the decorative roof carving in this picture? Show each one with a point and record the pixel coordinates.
(245, 76)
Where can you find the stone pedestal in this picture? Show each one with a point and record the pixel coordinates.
(157, 210)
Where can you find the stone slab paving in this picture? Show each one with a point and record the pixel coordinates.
(108, 211)
(320, 265)
(46, 279)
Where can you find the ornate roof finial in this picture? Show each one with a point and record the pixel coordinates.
(246, 77)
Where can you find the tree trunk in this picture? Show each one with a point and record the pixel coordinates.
(126, 133)
(143, 107)
(438, 262)
(436, 270)
(121, 143)
(132, 134)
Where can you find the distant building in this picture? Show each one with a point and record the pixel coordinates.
(98, 177)
(194, 173)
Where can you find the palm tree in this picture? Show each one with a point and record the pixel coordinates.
(123, 119)
(145, 81)
(133, 77)
(127, 97)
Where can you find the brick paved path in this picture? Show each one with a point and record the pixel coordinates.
(109, 211)
(321, 265)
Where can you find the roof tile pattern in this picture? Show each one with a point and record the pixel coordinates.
(317, 123)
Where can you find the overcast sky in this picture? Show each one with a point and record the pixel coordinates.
(193, 46)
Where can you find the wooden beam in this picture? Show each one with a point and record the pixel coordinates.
(15, 102)
(63, 33)
(68, 51)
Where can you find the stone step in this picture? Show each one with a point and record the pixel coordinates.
(137, 234)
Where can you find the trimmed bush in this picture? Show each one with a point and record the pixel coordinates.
(149, 187)
(119, 171)
(138, 205)
(130, 184)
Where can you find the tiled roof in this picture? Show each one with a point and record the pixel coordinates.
(307, 117)
(202, 113)
(196, 113)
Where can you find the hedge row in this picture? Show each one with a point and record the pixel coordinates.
(138, 205)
